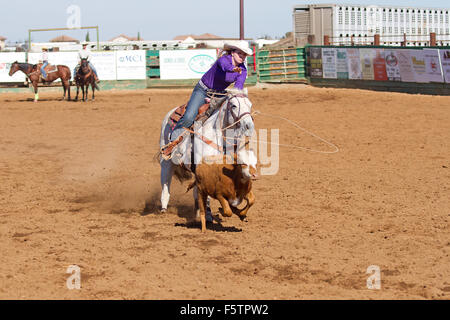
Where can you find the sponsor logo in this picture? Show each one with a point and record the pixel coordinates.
(200, 63)
(391, 60)
(133, 58)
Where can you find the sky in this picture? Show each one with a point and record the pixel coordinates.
(162, 19)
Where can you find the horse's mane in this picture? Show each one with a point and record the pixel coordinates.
(236, 91)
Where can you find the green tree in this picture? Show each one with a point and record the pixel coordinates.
(139, 36)
(87, 37)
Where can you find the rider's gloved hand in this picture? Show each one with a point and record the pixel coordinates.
(238, 70)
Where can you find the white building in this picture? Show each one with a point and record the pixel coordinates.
(358, 23)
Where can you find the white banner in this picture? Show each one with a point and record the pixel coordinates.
(418, 65)
(392, 68)
(329, 63)
(405, 65)
(6, 58)
(342, 64)
(433, 65)
(367, 56)
(186, 64)
(445, 62)
(131, 65)
(354, 64)
(105, 64)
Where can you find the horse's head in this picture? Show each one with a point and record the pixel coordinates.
(14, 68)
(239, 109)
(84, 65)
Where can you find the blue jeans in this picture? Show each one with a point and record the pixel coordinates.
(195, 102)
(44, 64)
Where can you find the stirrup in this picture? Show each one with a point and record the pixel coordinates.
(166, 151)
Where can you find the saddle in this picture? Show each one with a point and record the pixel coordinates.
(179, 112)
(49, 68)
(204, 112)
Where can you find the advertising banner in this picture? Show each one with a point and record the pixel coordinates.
(186, 64)
(342, 63)
(418, 65)
(329, 63)
(131, 65)
(6, 58)
(407, 72)
(445, 62)
(379, 66)
(392, 68)
(105, 64)
(354, 64)
(433, 65)
(315, 60)
(367, 56)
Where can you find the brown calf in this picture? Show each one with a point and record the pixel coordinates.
(228, 183)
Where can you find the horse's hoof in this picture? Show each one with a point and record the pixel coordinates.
(163, 210)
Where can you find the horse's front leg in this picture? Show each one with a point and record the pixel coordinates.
(36, 95)
(78, 90)
(87, 91)
(166, 179)
(93, 91)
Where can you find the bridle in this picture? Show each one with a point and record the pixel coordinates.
(229, 108)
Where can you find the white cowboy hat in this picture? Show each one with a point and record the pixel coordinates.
(240, 45)
(84, 44)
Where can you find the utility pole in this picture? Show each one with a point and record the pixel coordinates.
(241, 34)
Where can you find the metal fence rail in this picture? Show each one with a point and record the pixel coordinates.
(281, 65)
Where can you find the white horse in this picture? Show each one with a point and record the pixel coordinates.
(234, 116)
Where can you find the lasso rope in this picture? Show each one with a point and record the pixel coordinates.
(256, 112)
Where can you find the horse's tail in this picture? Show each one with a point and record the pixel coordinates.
(190, 186)
(182, 174)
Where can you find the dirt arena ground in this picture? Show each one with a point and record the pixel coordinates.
(79, 186)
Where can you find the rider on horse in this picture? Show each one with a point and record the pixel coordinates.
(227, 69)
(44, 63)
(85, 53)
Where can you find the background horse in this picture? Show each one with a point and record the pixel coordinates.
(33, 72)
(234, 115)
(84, 78)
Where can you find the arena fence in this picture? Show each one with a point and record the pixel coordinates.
(281, 65)
(154, 65)
(414, 70)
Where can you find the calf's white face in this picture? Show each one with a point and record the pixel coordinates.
(248, 161)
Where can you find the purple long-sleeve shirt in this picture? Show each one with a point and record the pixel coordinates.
(221, 75)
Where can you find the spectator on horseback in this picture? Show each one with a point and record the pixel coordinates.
(229, 68)
(44, 63)
(85, 53)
